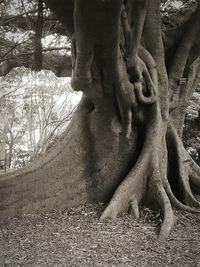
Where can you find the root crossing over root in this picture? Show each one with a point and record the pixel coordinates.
(150, 173)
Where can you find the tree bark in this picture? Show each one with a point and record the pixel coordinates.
(71, 176)
(124, 139)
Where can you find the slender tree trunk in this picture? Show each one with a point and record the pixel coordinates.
(3, 132)
(10, 151)
(123, 143)
(37, 55)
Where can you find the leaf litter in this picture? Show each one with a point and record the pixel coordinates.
(76, 237)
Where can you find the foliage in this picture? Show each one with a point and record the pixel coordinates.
(37, 107)
(18, 33)
(191, 135)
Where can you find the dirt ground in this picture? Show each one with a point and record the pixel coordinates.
(76, 237)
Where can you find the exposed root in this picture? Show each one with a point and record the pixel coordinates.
(194, 173)
(174, 201)
(161, 195)
(137, 90)
(189, 199)
(150, 173)
(183, 170)
(134, 208)
(166, 207)
(189, 171)
(131, 191)
(193, 167)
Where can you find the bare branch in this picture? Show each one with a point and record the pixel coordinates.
(59, 64)
(31, 52)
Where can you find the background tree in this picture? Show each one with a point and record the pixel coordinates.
(124, 141)
(24, 28)
(3, 131)
(34, 113)
(191, 127)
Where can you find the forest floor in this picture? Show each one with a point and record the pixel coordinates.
(76, 237)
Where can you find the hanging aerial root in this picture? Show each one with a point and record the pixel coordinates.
(141, 98)
(151, 88)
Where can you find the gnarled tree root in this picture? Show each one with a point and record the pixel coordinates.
(151, 173)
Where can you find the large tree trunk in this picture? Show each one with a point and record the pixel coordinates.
(124, 141)
(74, 171)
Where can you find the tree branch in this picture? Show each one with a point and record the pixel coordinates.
(31, 52)
(20, 19)
(64, 12)
(21, 22)
(59, 64)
